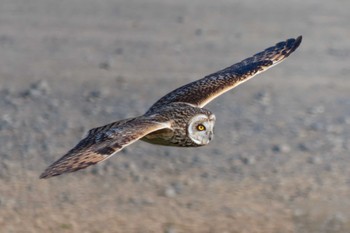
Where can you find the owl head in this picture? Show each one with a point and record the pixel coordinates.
(200, 128)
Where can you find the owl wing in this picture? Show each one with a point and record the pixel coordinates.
(103, 142)
(204, 90)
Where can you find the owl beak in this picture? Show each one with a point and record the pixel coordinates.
(211, 136)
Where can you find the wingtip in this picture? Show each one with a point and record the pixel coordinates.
(294, 44)
(297, 43)
(48, 173)
(298, 40)
(44, 175)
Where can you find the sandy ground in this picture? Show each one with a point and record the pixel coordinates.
(279, 161)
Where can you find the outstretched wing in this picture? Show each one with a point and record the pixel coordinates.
(203, 91)
(103, 142)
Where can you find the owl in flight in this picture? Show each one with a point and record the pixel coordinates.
(177, 119)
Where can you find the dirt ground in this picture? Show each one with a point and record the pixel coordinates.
(279, 162)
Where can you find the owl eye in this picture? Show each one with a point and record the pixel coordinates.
(200, 127)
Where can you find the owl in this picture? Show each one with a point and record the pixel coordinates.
(177, 119)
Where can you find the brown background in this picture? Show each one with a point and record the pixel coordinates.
(279, 161)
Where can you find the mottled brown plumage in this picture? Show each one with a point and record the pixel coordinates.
(103, 142)
(177, 119)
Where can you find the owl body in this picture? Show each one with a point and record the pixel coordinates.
(184, 125)
(176, 119)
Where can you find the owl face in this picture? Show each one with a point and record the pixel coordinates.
(201, 128)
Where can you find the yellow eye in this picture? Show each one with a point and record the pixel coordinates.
(200, 127)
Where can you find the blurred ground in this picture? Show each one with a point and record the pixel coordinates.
(279, 161)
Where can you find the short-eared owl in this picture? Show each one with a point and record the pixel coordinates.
(177, 119)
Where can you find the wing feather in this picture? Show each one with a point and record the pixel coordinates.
(204, 90)
(103, 142)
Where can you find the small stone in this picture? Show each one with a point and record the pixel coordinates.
(170, 192)
(298, 213)
(335, 129)
(6, 40)
(37, 89)
(118, 51)
(317, 126)
(347, 120)
(336, 223)
(248, 160)
(178, 187)
(5, 166)
(198, 32)
(180, 19)
(263, 98)
(99, 169)
(205, 175)
(132, 167)
(316, 110)
(170, 229)
(122, 83)
(303, 147)
(93, 95)
(104, 65)
(315, 160)
(196, 161)
(282, 148)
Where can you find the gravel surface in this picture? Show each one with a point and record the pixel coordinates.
(279, 161)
